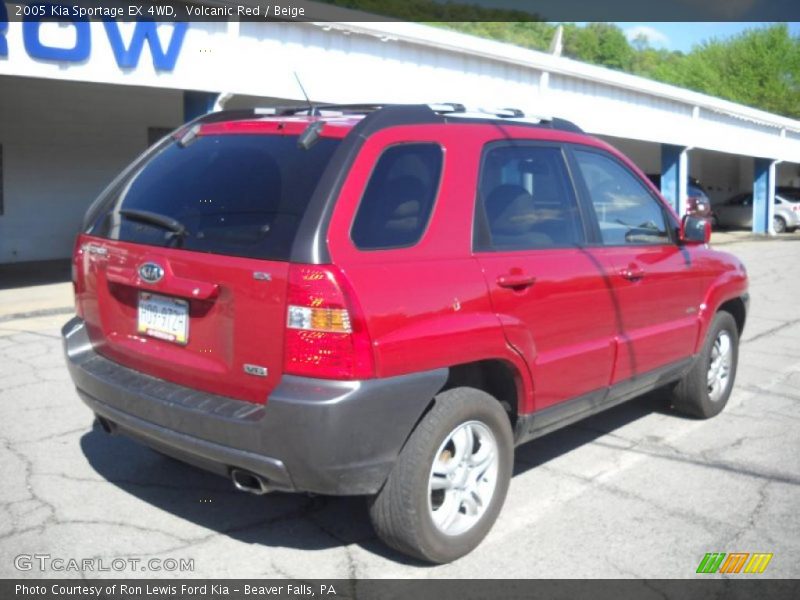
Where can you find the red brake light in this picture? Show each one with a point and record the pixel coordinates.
(326, 335)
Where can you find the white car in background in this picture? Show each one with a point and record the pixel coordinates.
(737, 212)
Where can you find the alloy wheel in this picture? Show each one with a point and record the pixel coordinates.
(463, 478)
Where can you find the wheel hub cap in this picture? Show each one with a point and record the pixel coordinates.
(462, 478)
(719, 367)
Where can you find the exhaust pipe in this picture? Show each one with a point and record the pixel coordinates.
(106, 425)
(244, 481)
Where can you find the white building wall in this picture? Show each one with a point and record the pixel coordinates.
(646, 155)
(67, 127)
(62, 144)
(597, 107)
(409, 62)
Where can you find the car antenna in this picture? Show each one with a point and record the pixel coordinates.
(311, 109)
(311, 134)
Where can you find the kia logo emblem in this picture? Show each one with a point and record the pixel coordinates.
(151, 272)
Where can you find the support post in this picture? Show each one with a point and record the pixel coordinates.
(675, 176)
(763, 195)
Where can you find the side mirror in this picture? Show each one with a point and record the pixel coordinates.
(695, 230)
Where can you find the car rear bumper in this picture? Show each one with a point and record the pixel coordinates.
(312, 435)
(792, 219)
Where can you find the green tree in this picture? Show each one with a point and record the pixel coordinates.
(760, 67)
(599, 43)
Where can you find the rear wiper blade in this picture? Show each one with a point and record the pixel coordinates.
(146, 216)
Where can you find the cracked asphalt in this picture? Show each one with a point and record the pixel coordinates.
(638, 491)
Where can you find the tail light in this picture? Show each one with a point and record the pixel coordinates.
(796, 207)
(326, 335)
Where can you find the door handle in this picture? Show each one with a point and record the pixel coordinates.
(516, 281)
(632, 272)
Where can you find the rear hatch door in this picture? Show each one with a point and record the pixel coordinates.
(184, 264)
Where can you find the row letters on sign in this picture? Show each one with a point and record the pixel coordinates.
(127, 57)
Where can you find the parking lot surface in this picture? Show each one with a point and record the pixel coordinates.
(638, 491)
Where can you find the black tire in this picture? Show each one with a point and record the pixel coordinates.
(401, 512)
(691, 395)
(779, 225)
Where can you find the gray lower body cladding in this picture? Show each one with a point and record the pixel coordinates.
(312, 435)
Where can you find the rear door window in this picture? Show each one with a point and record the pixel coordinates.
(240, 195)
(792, 195)
(526, 200)
(399, 197)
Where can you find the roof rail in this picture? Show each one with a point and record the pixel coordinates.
(316, 110)
(441, 109)
(519, 117)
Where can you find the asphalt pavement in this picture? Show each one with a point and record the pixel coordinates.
(638, 491)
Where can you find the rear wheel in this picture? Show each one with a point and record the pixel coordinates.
(779, 225)
(704, 391)
(450, 480)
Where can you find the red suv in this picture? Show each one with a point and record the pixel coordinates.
(385, 301)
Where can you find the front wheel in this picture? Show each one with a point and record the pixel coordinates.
(704, 390)
(450, 480)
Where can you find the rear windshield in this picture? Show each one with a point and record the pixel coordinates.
(241, 195)
(792, 195)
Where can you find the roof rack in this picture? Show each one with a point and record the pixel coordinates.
(317, 109)
(445, 110)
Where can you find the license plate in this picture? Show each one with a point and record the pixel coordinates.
(163, 317)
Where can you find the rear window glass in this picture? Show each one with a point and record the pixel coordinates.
(241, 195)
(790, 195)
(398, 201)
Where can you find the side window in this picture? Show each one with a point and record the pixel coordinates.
(399, 197)
(527, 200)
(626, 211)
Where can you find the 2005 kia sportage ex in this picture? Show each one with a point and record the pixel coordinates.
(387, 300)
